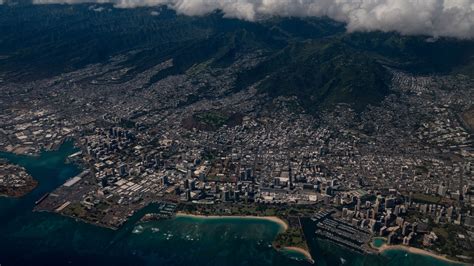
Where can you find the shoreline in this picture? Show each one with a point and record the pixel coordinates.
(274, 219)
(417, 251)
(78, 219)
(303, 251)
(283, 224)
(21, 191)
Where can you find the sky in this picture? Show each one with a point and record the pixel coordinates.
(437, 18)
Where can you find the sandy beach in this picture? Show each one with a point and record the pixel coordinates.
(414, 250)
(302, 251)
(275, 219)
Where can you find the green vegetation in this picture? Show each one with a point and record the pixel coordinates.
(313, 59)
(94, 215)
(468, 118)
(420, 197)
(416, 53)
(251, 209)
(421, 169)
(75, 210)
(212, 119)
(450, 241)
(321, 73)
(209, 155)
(292, 237)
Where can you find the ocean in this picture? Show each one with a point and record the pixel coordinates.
(40, 238)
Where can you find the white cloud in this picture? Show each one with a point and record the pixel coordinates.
(451, 18)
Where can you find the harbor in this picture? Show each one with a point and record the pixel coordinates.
(341, 232)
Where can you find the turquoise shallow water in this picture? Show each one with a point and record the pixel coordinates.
(38, 238)
(294, 254)
(378, 242)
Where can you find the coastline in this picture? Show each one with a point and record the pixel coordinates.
(284, 225)
(78, 219)
(274, 219)
(303, 251)
(417, 251)
(16, 193)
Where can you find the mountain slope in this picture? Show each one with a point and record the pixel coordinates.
(321, 74)
(313, 59)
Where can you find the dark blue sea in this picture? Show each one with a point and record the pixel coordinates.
(40, 238)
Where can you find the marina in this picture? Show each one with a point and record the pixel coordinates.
(184, 239)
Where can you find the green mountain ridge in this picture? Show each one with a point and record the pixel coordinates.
(313, 59)
(321, 74)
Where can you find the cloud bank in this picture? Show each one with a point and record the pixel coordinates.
(437, 18)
